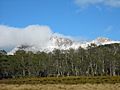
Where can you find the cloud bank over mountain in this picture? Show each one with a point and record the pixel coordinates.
(33, 34)
(86, 3)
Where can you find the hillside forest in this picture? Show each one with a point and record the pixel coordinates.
(103, 60)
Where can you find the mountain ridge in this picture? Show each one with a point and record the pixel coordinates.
(62, 43)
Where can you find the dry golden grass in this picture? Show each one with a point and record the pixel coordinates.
(60, 87)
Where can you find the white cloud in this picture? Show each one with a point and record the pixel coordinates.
(36, 35)
(110, 3)
(33, 34)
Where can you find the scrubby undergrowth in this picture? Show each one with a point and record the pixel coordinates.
(63, 80)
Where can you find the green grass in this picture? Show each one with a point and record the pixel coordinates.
(63, 80)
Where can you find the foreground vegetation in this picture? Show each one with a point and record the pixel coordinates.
(62, 83)
(93, 61)
(60, 87)
(63, 80)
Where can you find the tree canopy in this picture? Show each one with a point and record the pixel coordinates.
(101, 60)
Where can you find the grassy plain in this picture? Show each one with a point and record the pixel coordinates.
(60, 87)
(63, 80)
(61, 83)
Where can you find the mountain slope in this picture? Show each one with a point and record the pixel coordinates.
(62, 43)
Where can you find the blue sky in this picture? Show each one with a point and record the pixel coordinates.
(78, 18)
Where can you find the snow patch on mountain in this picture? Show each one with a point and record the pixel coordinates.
(62, 43)
(103, 41)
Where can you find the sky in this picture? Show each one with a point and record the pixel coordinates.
(87, 19)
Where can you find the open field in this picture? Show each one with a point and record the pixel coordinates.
(62, 83)
(63, 80)
(60, 87)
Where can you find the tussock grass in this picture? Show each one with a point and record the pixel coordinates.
(63, 80)
(60, 87)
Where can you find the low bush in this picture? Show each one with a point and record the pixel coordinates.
(63, 80)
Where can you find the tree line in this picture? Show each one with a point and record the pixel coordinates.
(103, 60)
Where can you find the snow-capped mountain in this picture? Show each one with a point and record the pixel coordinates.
(103, 41)
(62, 43)
(55, 42)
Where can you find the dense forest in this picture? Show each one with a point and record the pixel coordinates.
(101, 60)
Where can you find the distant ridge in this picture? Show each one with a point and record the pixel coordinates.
(62, 43)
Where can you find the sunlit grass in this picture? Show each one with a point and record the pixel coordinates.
(60, 87)
(63, 80)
